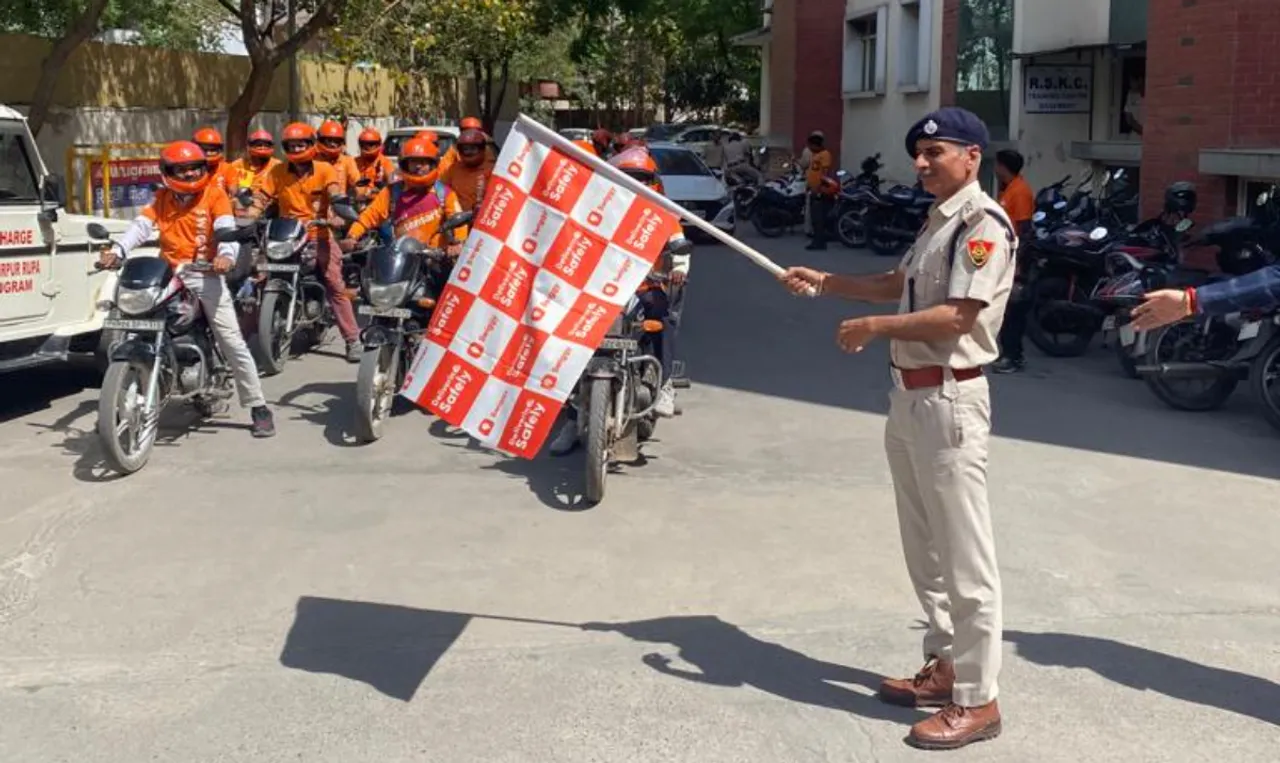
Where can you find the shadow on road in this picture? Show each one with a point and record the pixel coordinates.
(34, 390)
(1146, 670)
(335, 414)
(744, 332)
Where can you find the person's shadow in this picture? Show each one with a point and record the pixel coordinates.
(725, 655)
(1146, 670)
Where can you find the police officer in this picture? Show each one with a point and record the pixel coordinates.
(951, 289)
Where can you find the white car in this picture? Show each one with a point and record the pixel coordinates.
(446, 136)
(690, 183)
(52, 300)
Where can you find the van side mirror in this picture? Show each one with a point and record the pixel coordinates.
(97, 231)
(52, 190)
(680, 246)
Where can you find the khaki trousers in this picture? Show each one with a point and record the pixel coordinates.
(936, 441)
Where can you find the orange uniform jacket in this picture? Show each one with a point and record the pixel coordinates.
(186, 229)
(418, 213)
(468, 182)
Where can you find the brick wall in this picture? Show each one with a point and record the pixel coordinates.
(818, 103)
(1211, 83)
(950, 49)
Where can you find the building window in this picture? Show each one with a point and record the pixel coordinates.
(864, 53)
(984, 68)
(915, 45)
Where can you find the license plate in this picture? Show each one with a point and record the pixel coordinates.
(125, 324)
(1249, 330)
(1128, 335)
(277, 267)
(1109, 323)
(387, 312)
(618, 343)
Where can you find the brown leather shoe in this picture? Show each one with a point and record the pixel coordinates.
(956, 726)
(931, 687)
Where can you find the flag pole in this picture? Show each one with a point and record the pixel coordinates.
(546, 135)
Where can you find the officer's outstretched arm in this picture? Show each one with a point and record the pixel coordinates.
(880, 288)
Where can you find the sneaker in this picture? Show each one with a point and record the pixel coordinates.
(566, 439)
(354, 351)
(264, 424)
(665, 406)
(1008, 366)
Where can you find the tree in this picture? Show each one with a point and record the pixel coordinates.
(71, 23)
(268, 47)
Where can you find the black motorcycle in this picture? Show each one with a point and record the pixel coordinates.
(778, 205)
(291, 296)
(854, 201)
(617, 392)
(893, 218)
(401, 282)
(166, 352)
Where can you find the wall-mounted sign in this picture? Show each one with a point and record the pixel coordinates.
(1057, 89)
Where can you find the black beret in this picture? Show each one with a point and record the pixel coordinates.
(951, 124)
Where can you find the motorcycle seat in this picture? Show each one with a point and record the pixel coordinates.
(1225, 228)
(900, 195)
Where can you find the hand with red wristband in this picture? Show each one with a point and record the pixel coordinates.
(1160, 308)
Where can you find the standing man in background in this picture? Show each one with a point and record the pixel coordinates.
(1019, 204)
(820, 164)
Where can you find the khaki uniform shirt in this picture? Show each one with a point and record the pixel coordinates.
(982, 270)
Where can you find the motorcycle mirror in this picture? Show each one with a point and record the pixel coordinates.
(98, 231)
(1060, 204)
(1097, 234)
(1183, 225)
(345, 211)
(458, 220)
(1262, 198)
(245, 197)
(1038, 217)
(1119, 174)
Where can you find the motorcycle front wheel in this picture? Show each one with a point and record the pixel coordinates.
(1050, 327)
(1264, 378)
(272, 340)
(852, 229)
(1186, 342)
(600, 406)
(769, 221)
(375, 390)
(127, 432)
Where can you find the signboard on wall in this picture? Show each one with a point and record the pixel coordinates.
(131, 182)
(1057, 89)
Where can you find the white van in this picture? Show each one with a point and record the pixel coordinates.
(52, 301)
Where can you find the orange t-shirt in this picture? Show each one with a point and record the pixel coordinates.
(819, 167)
(249, 177)
(348, 173)
(378, 170)
(451, 158)
(302, 197)
(418, 213)
(186, 228)
(467, 182)
(226, 176)
(1018, 201)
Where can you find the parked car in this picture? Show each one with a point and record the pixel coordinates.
(446, 136)
(689, 182)
(575, 133)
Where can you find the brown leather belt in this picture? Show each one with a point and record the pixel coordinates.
(932, 376)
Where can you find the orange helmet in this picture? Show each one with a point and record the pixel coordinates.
(261, 144)
(370, 142)
(427, 135)
(471, 123)
(299, 132)
(417, 150)
(179, 156)
(587, 146)
(210, 141)
(639, 164)
(332, 140)
(471, 144)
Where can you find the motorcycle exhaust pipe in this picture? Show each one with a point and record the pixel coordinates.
(1182, 370)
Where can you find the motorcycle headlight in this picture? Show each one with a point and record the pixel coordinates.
(279, 250)
(137, 301)
(388, 295)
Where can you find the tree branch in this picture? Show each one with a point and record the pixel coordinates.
(234, 11)
(325, 15)
(79, 31)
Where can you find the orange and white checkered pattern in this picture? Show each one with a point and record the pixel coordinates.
(555, 252)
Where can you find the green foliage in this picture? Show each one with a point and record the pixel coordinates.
(185, 24)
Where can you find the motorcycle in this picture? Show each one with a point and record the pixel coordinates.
(292, 295)
(400, 282)
(619, 388)
(166, 353)
(851, 207)
(779, 204)
(894, 217)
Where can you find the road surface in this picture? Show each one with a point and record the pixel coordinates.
(735, 598)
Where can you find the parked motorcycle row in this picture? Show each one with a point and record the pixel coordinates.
(164, 349)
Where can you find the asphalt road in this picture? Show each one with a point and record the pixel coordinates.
(736, 597)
